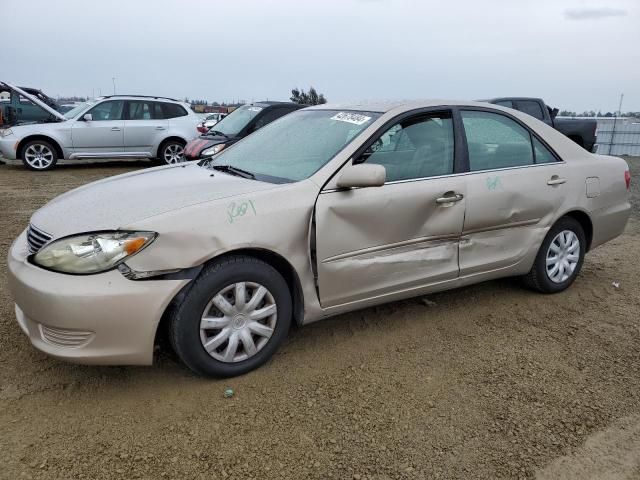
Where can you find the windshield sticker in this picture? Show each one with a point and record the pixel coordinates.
(255, 109)
(235, 210)
(349, 117)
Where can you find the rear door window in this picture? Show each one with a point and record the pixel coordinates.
(141, 110)
(543, 154)
(495, 141)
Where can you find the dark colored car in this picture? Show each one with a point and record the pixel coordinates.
(16, 108)
(235, 126)
(580, 130)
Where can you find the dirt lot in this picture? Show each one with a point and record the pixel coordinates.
(491, 381)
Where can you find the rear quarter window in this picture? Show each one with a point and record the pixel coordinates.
(172, 110)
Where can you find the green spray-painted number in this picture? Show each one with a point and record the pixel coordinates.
(494, 183)
(240, 209)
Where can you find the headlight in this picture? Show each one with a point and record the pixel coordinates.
(213, 150)
(5, 132)
(92, 252)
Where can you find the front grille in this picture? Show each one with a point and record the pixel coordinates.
(36, 239)
(61, 337)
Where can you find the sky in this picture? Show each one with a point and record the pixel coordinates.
(576, 54)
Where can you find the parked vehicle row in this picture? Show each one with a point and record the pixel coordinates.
(326, 210)
(583, 131)
(237, 125)
(116, 126)
(209, 121)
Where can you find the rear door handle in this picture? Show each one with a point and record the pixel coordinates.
(159, 128)
(556, 181)
(452, 198)
(115, 129)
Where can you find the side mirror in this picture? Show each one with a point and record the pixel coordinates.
(87, 117)
(363, 175)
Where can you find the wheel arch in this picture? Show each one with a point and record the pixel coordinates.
(168, 139)
(283, 267)
(270, 257)
(585, 222)
(29, 138)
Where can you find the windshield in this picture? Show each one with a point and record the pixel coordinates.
(233, 123)
(76, 110)
(295, 146)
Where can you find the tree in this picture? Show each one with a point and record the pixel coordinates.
(304, 98)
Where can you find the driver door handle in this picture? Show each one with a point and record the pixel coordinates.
(555, 180)
(449, 197)
(115, 129)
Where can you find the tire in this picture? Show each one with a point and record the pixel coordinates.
(546, 281)
(39, 155)
(171, 152)
(220, 279)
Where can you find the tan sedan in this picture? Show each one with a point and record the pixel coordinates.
(326, 210)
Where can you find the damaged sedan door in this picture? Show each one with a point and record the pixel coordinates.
(515, 185)
(402, 235)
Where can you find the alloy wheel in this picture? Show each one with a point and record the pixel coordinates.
(238, 322)
(173, 153)
(563, 256)
(38, 156)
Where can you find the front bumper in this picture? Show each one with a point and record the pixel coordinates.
(8, 147)
(102, 319)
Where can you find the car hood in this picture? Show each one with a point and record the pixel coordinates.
(119, 201)
(35, 100)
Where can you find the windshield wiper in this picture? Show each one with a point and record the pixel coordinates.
(234, 171)
(216, 132)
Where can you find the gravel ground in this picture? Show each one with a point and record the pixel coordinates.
(490, 381)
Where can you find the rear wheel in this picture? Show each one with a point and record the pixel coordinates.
(233, 319)
(39, 155)
(171, 151)
(560, 257)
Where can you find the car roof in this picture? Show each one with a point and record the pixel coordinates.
(386, 106)
(138, 96)
(273, 103)
(502, 99)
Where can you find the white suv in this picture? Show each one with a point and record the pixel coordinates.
(117, 126)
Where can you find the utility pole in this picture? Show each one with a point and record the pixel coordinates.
(615, 120)
(113, 79)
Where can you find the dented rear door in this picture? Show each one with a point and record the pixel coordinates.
(514, 187)
(381, 240)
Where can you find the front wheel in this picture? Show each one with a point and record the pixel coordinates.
(233, 319)
(39, 155)
(170, 152)
(560, 257)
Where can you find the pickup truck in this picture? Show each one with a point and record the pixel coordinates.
(582, 131)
